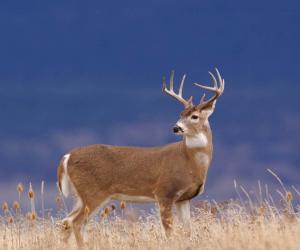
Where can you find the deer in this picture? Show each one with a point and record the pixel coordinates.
(170, 175)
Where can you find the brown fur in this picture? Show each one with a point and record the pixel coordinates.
(134, 171)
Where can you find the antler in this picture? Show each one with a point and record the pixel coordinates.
(218, 90)
(186, 103)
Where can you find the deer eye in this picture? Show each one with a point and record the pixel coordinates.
(195, 117)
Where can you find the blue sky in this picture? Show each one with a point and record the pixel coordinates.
(74, 73)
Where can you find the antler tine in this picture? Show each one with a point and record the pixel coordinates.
(181, 84)
(164, 83)
(202, 99)
(214, 79)
(172, 80)
(171, 92)
(221, 80)
(218, 90)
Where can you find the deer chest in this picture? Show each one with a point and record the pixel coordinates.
(201, 159)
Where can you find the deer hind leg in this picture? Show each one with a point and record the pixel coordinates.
(166, 216)
(81, 218)
(68, 221)
(77, 224)
(184, 215)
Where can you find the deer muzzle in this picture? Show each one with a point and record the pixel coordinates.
(177, 129)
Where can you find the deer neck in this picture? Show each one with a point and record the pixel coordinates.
(200, 142)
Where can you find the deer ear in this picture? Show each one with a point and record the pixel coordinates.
(208, 109)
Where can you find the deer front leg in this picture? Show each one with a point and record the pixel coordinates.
(165, 208)
(184, 215)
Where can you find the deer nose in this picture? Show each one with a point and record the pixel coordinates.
(177, 129)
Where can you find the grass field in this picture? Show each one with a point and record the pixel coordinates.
(253, 223)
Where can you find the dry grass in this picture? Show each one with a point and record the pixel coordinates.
(228, 225)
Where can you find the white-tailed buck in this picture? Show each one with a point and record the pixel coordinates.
(169, 174)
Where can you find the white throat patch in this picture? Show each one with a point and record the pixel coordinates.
(196, 141)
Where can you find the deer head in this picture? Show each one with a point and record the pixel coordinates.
(194, 117)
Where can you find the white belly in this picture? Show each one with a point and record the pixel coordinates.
(130, 198)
